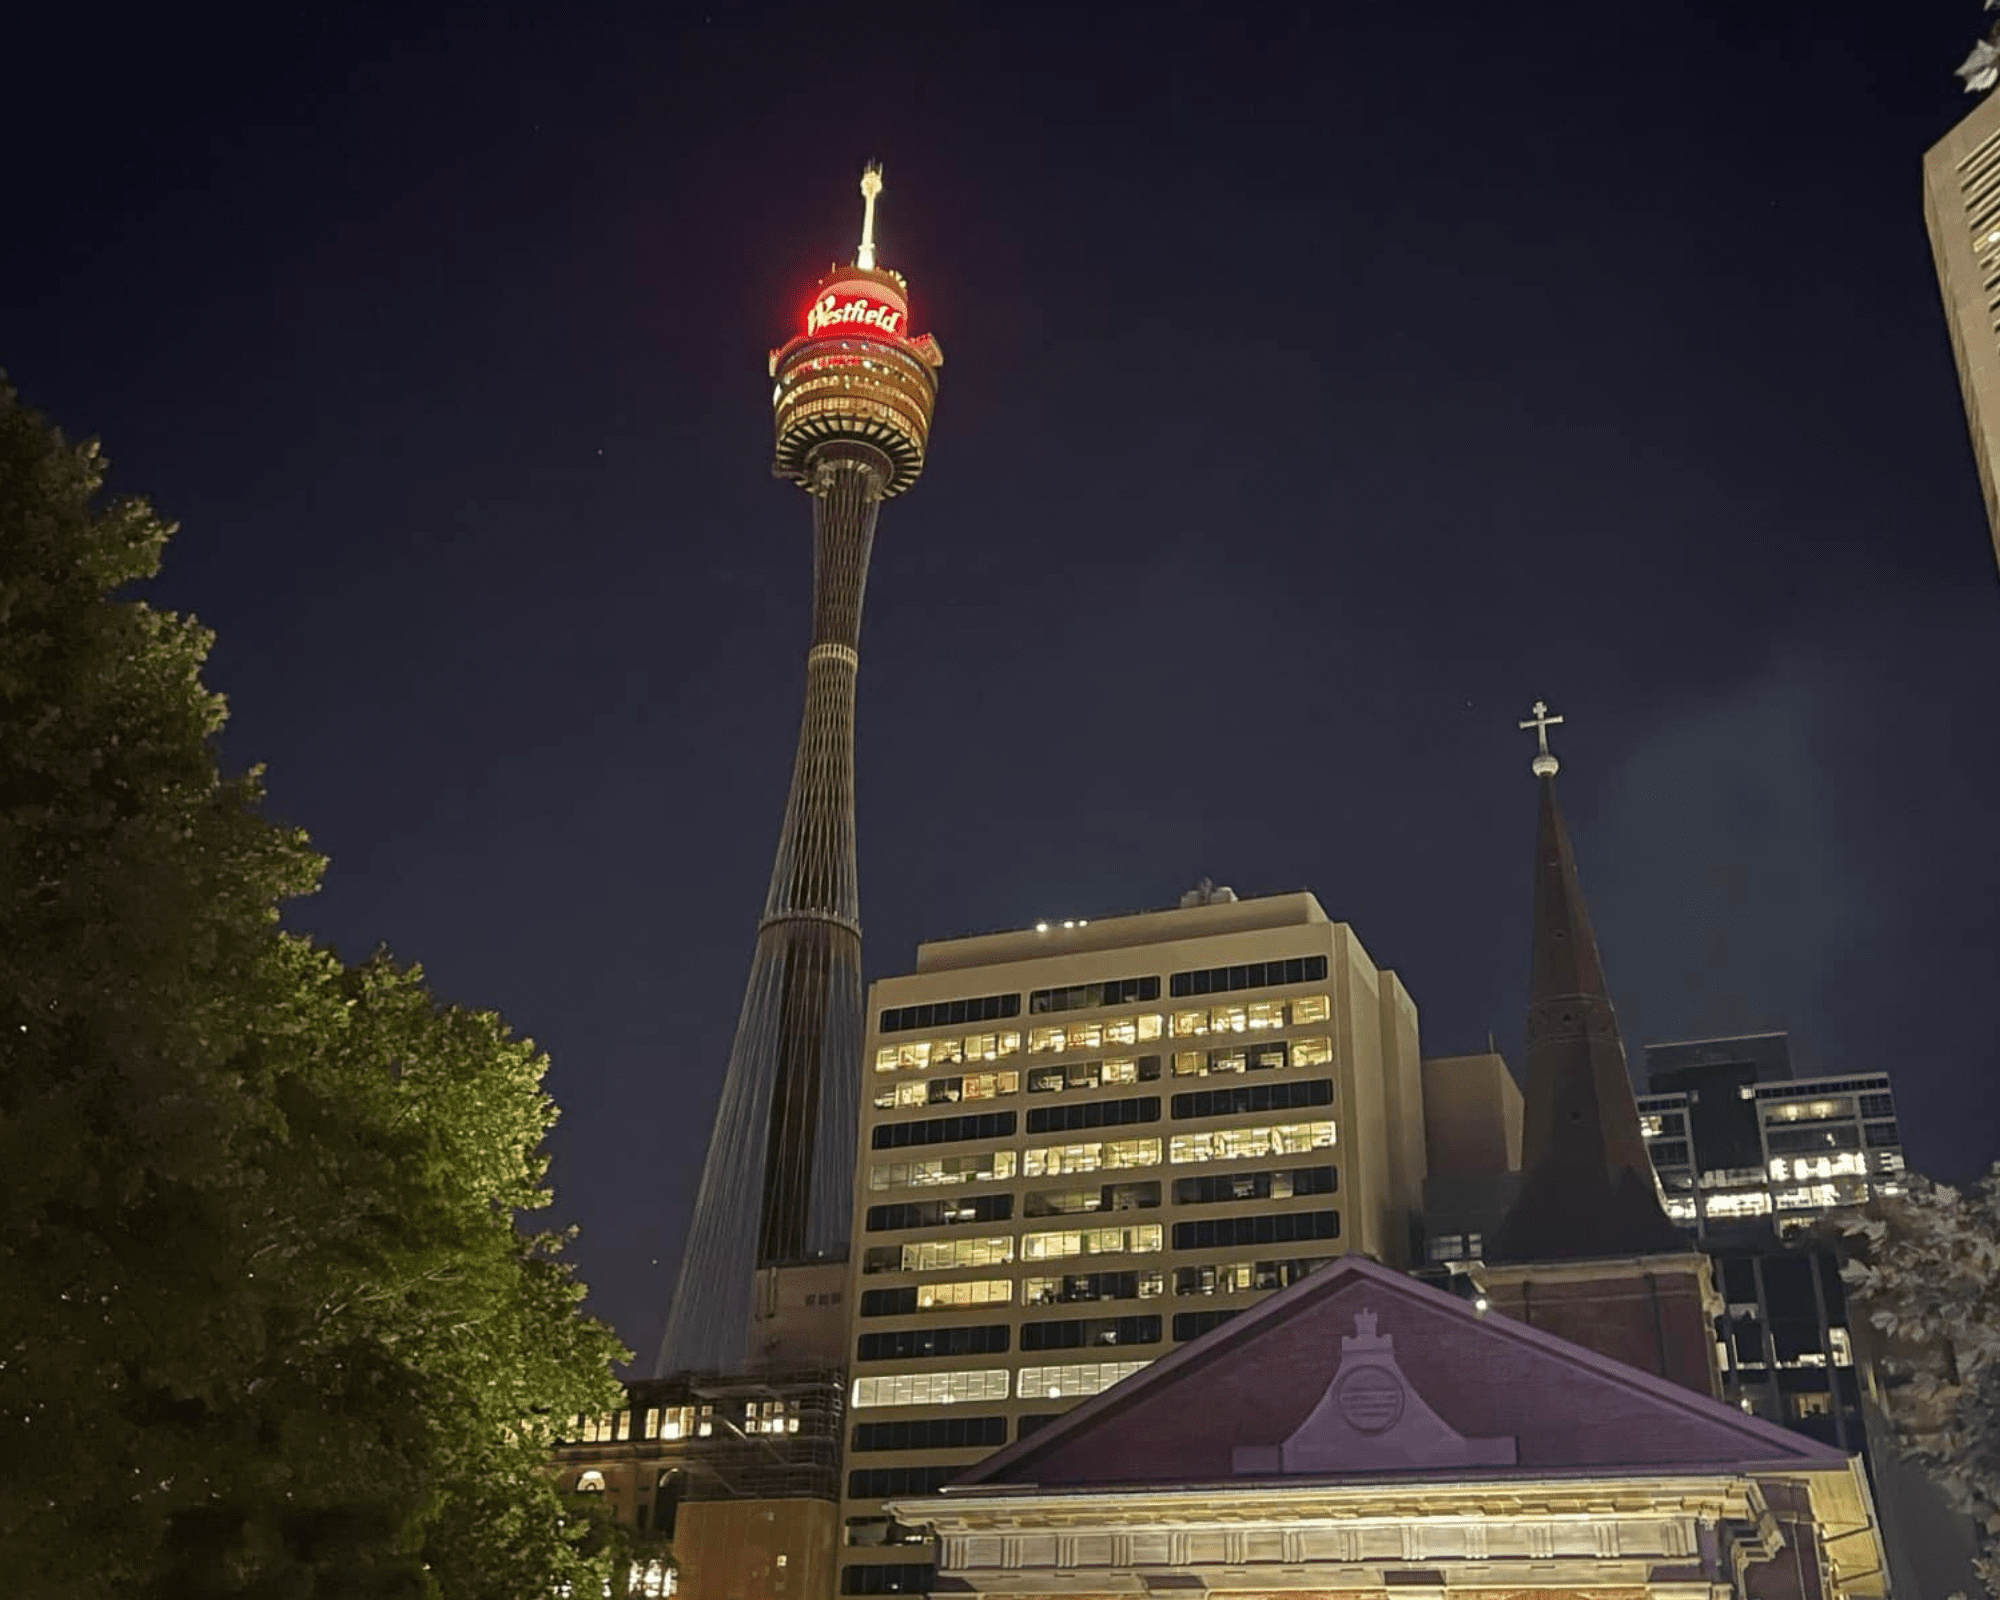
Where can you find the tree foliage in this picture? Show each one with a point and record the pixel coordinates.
(1926, 1272)
(270, 1324)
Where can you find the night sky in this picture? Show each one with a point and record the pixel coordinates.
(1323, 383)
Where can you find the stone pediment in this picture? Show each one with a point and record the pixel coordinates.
(1360, 1370)
(1370, 1417)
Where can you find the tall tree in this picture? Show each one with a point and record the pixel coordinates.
(270, 1323)
(1926, 1271)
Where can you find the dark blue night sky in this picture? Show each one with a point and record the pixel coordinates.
(1324, 383)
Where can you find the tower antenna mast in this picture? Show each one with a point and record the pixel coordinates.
(871, 186)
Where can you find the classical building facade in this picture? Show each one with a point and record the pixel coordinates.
(1364, 1435)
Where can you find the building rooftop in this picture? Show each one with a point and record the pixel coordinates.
(1125, 931)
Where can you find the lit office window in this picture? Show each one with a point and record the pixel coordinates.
(931, 1388)
(1247, 1144)
(1062, 1242)
(1076, 1379)
(940, 1171)
(1046, 1161)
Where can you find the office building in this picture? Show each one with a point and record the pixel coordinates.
(1085, 1143)
(1962, 212)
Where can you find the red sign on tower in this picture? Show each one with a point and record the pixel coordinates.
(847, 311)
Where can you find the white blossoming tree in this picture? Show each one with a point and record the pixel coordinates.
(1925, 1272)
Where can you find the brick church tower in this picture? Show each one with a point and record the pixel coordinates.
(1586, 1252)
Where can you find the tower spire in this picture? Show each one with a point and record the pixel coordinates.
(1587, 1185)
(871, 186)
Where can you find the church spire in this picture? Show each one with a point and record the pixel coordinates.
(1587, 1185)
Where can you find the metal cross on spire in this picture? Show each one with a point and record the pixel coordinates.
(1544, 765)
(871, 186)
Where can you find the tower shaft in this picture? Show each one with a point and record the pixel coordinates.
(812, 912)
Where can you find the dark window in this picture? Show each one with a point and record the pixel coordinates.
(888, 1302)
(902, 1344)
(1286, 1227)
(1282, 1185)
(930, 1433)
(1878, 1105)
(1089, 996)
(946, 1013)
(1083, 1287)
(1084, 1333)
(1193, 1324)
(1668, 1152)
(878, 1483)
(1673, 1122)
(944, 1130)
(1034, 1422)
(1093, 1114)
(1263, 1275)
(904, 1577)
(1242, 1097)
(1880, 1134)
(1254, 975)
(957, 1212)
(1141, 1196)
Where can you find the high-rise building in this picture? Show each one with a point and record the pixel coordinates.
(1962, 211)
(1752, 1159)
(853, 401)
(1087, 1142)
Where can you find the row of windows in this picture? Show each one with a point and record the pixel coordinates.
(1083, 1288)
(944, 1130)
(1780, 1091)
(1244, 1277)
(1063, 1037)
(1142, 1196)
(1074, 1380)
(1139, 1239)
(1093, 1074)
(930, 1433)
(1254, 1016)
(1312, 1052)
(947, 1091)
(938, 1172)
(943, 1013)
(973, 1048)
(1288, 1095)
(1251, 1016)
(1094, 1114)
(933, 1388)
(1219, 1188)
(1251, 975)
(902, 1577)
(1193, 1324)
(942, 1213)
(906, 1344)
(1082, 1333)
(1090, 996)
(1284, 1227)
(1047, 1161)
(938, 1255)
(1793, 1141)
(967, 1292)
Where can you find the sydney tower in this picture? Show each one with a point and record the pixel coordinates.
(853, 401)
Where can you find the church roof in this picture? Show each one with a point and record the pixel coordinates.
(1358, 1372)
(1587, 1184)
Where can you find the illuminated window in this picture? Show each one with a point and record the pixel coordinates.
(1228, 1019)
(1135, 1240)
(938, 1255)
(1041, 1040)
(947, 1052)
(1265, 1014)
(597, 1429)
(1187, 1024)
(676, 1422)
(939, 1171)
(1246, 1144)
(1311, 1052)
(1311, 1008)
(886, 1059)
(590, 1482)
(1082, 1288)
(1075, 1379)
(991, 1046)
(1739, 1205)
(969, 1292)
(931, 1388)
(1132, 1030)
(655, 1580)
(1843, 1347)
(1680, 1209)
(916, 1053)
(1047, 1161)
